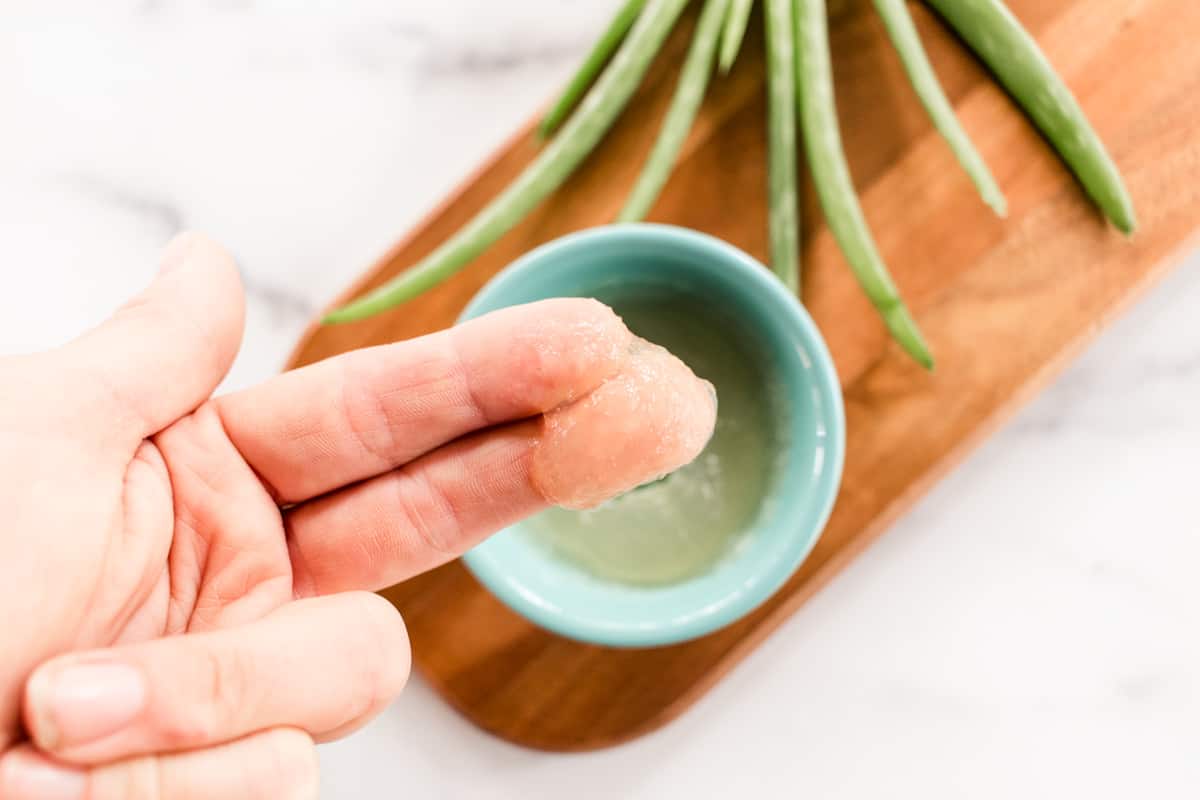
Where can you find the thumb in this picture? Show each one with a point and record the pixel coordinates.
(324, 665)
(164, 352)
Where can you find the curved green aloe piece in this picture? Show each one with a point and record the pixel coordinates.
(992, 31)
(689, 92)
(831, 177)
(903, 34)
(783, 214)
(736, 20)
(591, 66)
(546, 173)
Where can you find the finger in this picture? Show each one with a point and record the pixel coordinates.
(323, 665)
(279, 763)
(428, 512)
(358, 415)
(647, 420)
(163, 353)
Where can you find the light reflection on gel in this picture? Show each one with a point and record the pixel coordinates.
(646, 421)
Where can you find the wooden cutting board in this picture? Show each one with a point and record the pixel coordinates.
(1004, 303)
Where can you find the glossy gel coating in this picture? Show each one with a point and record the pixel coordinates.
(647, 420)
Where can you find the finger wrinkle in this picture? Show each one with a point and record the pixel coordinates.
(463, 375)
(233, 522)
(293, 763)
(437, 527)
(303, 581)
(351, 386)
(219, 411)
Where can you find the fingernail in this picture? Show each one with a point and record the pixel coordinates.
(28, 777)
(79, 703)
(176, 252)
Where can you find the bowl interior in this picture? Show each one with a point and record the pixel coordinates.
(662, 259)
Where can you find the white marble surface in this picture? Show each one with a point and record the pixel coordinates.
(1031, 629)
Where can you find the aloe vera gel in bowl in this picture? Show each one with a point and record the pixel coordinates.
(696, 550)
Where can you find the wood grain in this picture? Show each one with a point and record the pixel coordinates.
(1004, 304)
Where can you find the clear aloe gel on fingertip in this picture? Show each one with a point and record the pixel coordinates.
(648, 419)
(675, 527)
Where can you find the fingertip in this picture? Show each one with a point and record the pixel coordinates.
(594, 334)
(390, 638)
(588, 322)
(648, 420)
(176, 253)
(201, 274)
(292, 762)
(589, 308)
(193, 251)
(161, 355)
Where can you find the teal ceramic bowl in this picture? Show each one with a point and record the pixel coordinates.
(559, 596)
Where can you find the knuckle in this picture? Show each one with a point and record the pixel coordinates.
(229, 695)
(134, 779)
(218, 701)
(462, 372)
(186, 729)
(290, 766)
(364, 412)
(427, 511)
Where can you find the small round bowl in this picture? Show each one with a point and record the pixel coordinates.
(563, 598)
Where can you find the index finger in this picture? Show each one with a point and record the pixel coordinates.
(361, 414)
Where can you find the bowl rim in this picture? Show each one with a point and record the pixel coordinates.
(553, 618)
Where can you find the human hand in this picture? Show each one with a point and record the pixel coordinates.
(187, 604)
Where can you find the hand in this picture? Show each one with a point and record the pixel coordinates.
(186, 603)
